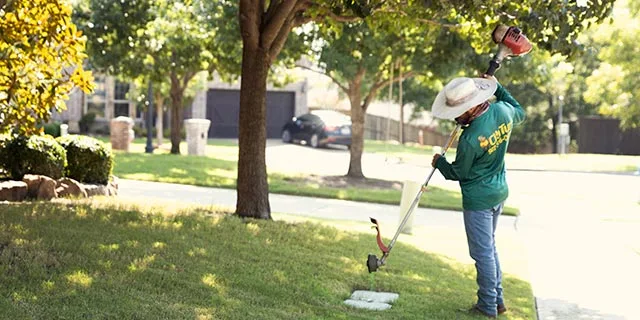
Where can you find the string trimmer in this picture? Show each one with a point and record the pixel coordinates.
(511, 43)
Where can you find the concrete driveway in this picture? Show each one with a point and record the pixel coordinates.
(581, 230)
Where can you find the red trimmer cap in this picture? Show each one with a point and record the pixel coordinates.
(512, 38)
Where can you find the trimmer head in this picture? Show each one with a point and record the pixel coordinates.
(373, 263)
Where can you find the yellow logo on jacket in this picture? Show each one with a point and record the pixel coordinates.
(497, 138)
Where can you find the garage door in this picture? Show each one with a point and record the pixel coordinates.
(223, 108)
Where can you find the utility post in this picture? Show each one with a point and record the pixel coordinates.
(148, 120)
(559, 136)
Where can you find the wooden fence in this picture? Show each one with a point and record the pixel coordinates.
(601, 135)
(376, 128)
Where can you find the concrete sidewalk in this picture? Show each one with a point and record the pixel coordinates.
(330, 209)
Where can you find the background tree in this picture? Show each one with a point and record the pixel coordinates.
(555, 68)
(358, 58)
(41, 55)
(163, 41)
(615, 86)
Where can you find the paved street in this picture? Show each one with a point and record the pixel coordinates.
(577, 239)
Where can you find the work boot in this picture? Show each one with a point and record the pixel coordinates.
(502, 309)
(475, 310)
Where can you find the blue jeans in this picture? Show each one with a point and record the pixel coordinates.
(481, 227)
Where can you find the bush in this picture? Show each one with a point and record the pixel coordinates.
(86, 122)
(4, 139)
(52, 129)
(42, 155)
(89, 160)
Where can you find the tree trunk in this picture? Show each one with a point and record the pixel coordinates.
(159, 116)
(357, 131)
(176, 114)
(252, 185)
(401, 121)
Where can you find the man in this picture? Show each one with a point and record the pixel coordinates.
(479, 168)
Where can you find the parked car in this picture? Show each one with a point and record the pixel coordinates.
(319, 128)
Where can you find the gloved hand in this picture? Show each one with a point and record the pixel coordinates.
(435, 159)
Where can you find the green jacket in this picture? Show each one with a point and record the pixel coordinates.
(479, 164)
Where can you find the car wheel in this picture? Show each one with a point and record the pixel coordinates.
(286, 136)
(314, 141)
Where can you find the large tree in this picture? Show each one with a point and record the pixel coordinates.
(163, 40)
(265, 27)
(41, 55)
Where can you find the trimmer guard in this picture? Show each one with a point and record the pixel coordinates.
(379, 237)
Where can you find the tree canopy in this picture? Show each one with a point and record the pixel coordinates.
(615, 85)
(265, 27)
(163, 41)
(41, 55)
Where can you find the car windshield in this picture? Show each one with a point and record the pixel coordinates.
(332, 117)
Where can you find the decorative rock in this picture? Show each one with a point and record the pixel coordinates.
(69, 187)
(112, 188)
(384, 297)
(376, 306)
(96, 190)
(47, 190)
(371, 300)
(33, 182)
(13, 191)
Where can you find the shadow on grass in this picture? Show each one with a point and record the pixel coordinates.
(77, 262)
(200, 171)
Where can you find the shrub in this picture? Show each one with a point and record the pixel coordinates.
(87, 120)
(52, 129)
(4, 139)
(89, 160)
(42, 155)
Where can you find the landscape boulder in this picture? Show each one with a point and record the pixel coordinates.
(112, 187)
(96, 190)
(67, 187)
(13, 191)
(33, 182)
(40, 187)
(47, 190)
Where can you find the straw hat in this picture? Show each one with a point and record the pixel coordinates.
(460, 95)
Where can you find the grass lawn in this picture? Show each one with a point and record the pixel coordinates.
(219, 169)
(114, 261)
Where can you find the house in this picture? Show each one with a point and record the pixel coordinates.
(219, 102)
(108, 100)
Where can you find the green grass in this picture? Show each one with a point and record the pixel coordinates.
(76, 261)
(396, 149)
(212, 171)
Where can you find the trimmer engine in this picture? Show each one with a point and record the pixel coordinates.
(511, 43)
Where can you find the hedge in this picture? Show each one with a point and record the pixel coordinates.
(88, 159)
(43, 155)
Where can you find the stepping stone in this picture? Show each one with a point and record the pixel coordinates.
(376, 306)
(372, 300)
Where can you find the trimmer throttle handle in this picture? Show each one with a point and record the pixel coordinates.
(493, 67)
